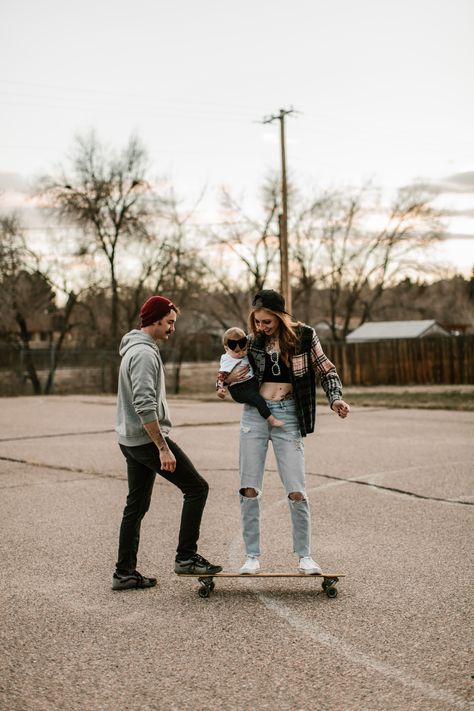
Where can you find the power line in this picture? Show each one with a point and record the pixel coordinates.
(120, 94)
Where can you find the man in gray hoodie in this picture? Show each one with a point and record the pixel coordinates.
(143, 425)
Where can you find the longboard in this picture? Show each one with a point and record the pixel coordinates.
(207, 584)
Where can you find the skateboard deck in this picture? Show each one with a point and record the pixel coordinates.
(207, 584)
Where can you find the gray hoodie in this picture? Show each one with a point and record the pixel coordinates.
(141, 389)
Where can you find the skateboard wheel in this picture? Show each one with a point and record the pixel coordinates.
(204, 592)
(212, 585)
(331, 592)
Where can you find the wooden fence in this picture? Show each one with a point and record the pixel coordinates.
(428, 361)
(424, 361)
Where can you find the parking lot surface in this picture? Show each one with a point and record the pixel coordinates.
(392, 498)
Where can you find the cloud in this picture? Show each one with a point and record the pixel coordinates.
(448, 212)
(458, 235)
(458, 183)
(13, 182)
(461, 182)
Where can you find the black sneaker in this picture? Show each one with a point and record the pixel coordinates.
(132, 581)
(196, 565)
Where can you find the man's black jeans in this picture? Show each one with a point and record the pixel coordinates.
(143, 463)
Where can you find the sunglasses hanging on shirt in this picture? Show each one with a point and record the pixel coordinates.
(276, 370)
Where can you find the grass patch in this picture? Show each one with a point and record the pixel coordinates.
(405, 399)
(446, 400)
(198, 383)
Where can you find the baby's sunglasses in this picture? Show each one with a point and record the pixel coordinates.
(233, 343)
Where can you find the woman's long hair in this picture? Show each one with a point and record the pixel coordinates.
(287, 336)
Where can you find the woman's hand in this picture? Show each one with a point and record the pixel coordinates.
(237, 374)
(341, 408)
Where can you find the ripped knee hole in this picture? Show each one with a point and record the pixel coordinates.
(296, 496)
(249, 493)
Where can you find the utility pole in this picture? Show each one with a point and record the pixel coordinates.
(285, 286)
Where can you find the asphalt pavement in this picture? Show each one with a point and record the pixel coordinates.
(392, 499)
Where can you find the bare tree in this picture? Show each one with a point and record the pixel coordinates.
(247, 249)
(108, 196)
(26, 294)
(361, 248)
(306, 249)
(168, 261)
(29, 292)
(176, 269)
(446, 300)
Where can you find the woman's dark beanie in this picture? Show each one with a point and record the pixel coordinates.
(154, 309)
(269, 299)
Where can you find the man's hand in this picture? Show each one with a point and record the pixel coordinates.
(341, 408)
(221, 393)
(167, 459)
(237, 374)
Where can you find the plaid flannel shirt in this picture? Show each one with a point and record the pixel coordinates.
(308, 361)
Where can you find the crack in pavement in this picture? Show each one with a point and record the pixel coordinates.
(390, 489)
(60, 468)
(52, 436)
(393, 489)
(22, 438)
(342, 480)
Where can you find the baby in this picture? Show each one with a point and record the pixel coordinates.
(246, 390)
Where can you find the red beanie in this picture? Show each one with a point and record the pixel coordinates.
(154, 309)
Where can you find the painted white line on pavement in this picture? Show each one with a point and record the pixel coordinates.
(317, 633)
(309, 629)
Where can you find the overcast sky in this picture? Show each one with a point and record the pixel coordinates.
(385, 91)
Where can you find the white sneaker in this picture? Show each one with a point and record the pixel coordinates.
(250, 566)
(309, 566)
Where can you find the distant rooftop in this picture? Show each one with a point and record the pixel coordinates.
(383, 330)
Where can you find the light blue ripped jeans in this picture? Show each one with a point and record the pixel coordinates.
(255, 434)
